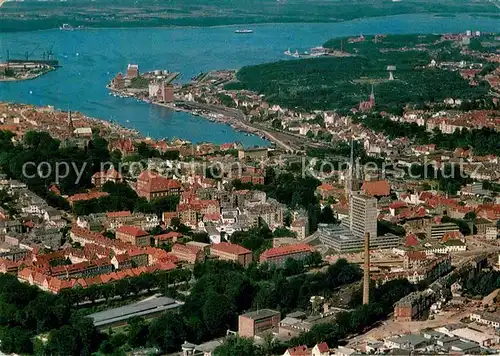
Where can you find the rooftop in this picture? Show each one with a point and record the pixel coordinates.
(141, 308)
(261, 314)
(286, 250)
(131, 230)
(230, 248)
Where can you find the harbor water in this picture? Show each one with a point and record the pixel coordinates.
(91, 57)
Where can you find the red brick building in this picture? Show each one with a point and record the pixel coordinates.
(187, 253)
(252, 323)
(231, 252)
(151, 185)
(133, 235)
(279, 255)
(111, 175)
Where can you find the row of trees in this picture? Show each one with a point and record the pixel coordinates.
(26, 311)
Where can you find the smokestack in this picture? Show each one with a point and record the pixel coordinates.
(366, 276)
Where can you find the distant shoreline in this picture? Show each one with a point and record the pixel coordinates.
(146, 25)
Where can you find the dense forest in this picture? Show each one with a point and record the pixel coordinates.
(342, 82)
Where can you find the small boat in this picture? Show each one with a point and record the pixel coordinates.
(296, 54)
(288, 52)
(244, 31)
(66, 27)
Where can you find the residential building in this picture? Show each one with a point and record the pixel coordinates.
(252, 323)
(486, 318)
(258, 153)
(151, 185)
(278, 255)
(188, 253)
(102, 177)
(271, 212)
(133, 235)
(298, 351)
(321, 349)
(231, 252)
(301, 227)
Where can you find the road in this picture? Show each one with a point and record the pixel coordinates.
(237, 119)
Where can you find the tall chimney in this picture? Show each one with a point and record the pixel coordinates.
(366, 276)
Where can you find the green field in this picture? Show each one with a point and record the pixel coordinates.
(342, 82)
(31, 15)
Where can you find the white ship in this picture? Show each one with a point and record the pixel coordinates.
(243, 31)
(66, 27)
(294, 54)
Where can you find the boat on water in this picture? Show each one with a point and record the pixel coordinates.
(294, 54)
(243, 31)
(66, 27)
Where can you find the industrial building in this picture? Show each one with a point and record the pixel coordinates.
(254, 322)
(145, 308)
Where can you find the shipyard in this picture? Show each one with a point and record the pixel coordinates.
(205, 96)
(27, 68)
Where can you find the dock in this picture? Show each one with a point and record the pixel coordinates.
(171, 77)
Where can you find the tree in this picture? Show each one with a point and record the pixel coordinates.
(168, 332)
(63, 341)
(137, 331)
(217, 313)
(471, 216)
(237, 346)
(326, 216)
(314, 259)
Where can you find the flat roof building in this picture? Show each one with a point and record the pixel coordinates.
(363, 215)
(252, 323)
(145, 308)
(341, 239)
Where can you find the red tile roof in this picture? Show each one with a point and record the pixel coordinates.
(323, 347)
(190, 249)
(168, 236)
(416, 255)
(412, 240)
(299, 351)
(131, 230)
(376, 188)
(118, 214)
(157, 183)
(87, 196)
(228, 247)
(286, 250)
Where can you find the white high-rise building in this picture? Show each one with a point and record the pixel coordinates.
(363, 215)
